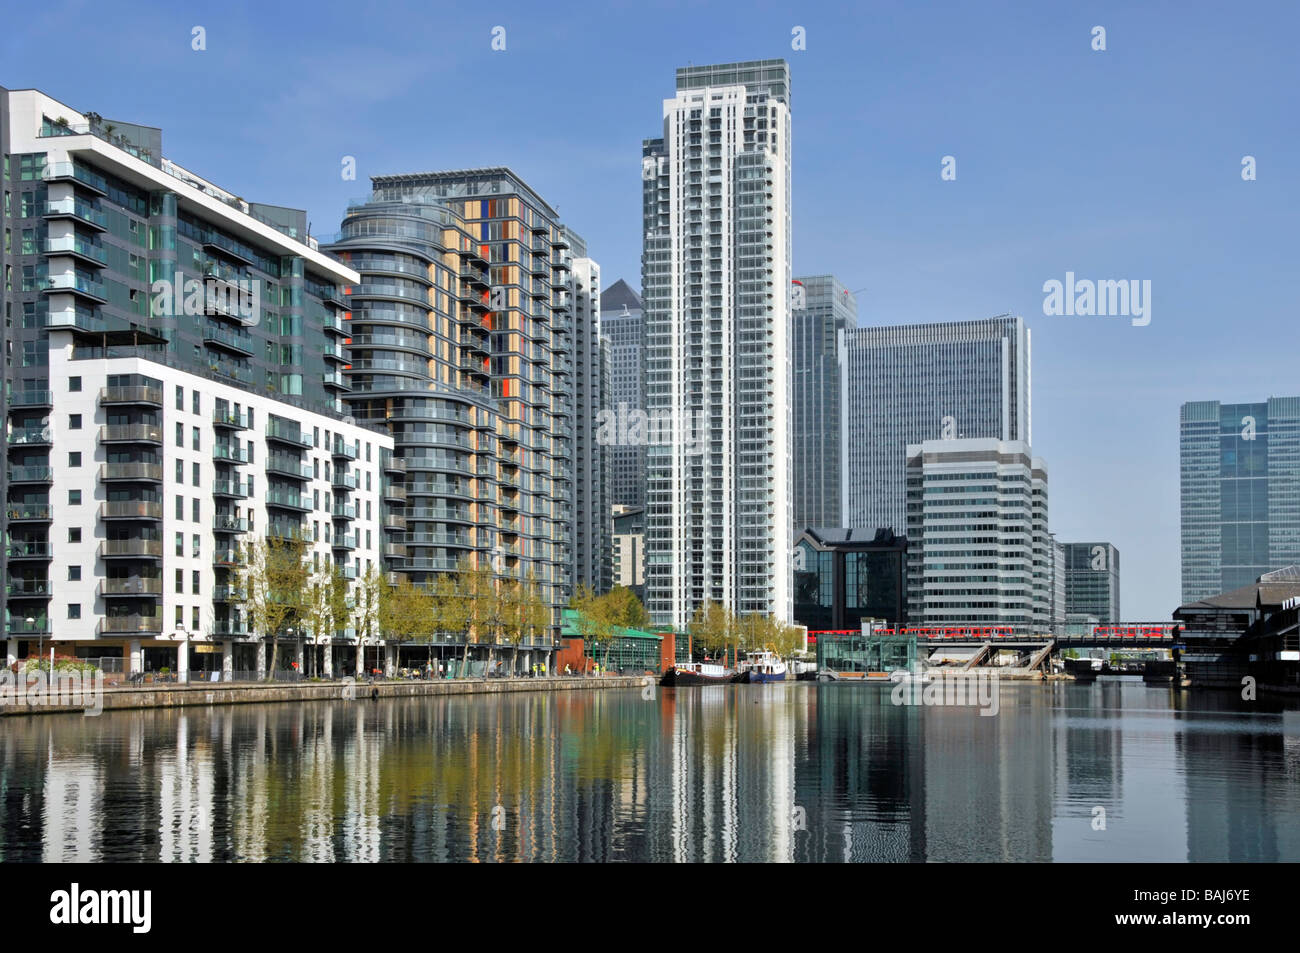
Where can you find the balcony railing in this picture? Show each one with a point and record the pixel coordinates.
(152, 472)
(131, 395)
(130, 509)
(131, 587)
(28, 511)
(31, 475)
(131, 623)
(144, 548)
(132, 433)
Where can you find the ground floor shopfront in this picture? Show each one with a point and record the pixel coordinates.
(258, 659)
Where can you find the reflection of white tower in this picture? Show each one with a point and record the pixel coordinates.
(318, 776)
(779, 731)
(184, 804)
(74, 789)
(361, 824)
(249, 806)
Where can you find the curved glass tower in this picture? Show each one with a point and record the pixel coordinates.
(421, 350)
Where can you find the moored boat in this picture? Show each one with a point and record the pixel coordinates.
(764, 666)
(697, 673)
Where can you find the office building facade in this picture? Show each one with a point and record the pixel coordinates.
(914, 383)
(629, 548)
(821, 309)
(1239, 467)
(979, 551)
(715, 285)
(175, 394)
(1092, 581)
(843, 576)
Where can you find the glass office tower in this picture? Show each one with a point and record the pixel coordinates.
(1240, 476)
(827, 310)
(911, 383)
(1092, 581)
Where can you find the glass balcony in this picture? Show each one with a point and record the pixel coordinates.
(31, 475)
(19, 549)
(71, 208)
(76, 284)
(230, 488)
(77, 248)
(29, 512)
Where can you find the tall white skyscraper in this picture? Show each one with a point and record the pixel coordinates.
(716, 272)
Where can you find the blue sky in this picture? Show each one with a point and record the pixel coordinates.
(1117, 164)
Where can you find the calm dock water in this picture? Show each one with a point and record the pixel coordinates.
(1118, 771)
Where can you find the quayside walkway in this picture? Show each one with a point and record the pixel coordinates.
(226, 693)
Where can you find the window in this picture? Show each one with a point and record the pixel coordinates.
(74, 385)
(180, 435)
(74, 497)
(180, 508)
(194, 583)
(194, 511)
(180, 397)
(74, 610)
(180, 544)
(194, 474)
(180, 471)
(180, 617)
(180, 580)
(74, 459)
(367, 480)
(74, 573)
(196, 544)
(74, 421)
(196, 440)
(74, 534)
(315, 499)
(196, 402)
(194, 619)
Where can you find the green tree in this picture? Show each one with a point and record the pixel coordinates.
(713, 627)
(274, 582)
(524, 613)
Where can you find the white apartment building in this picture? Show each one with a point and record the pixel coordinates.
(716, 272)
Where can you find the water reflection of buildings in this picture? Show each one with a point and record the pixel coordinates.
(711, 774)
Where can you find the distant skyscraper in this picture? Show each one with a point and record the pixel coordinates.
(978, 546)
(820, 309)
(1240, 471)
(716, 282)
(1060, 605)
(1092, 581)
(620, 322)
(919, 382)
